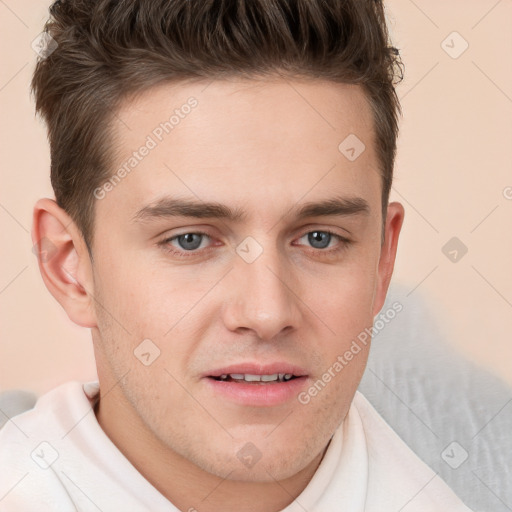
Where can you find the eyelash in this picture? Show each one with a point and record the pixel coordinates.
(187, 254)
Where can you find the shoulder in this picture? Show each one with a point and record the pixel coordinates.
(30, 445)
(57, 458)
(396, 475)
(52, 413)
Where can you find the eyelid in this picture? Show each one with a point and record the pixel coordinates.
(324, 230)
(170, 238)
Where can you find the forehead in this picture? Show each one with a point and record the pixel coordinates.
(316, 109)
(254, 142)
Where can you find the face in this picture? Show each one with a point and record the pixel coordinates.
(242, 246)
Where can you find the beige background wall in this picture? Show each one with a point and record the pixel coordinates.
(453, 175)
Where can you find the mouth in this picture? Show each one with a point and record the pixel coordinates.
(255, 379)
(252, 384)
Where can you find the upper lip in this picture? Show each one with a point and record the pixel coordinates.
(258, 369)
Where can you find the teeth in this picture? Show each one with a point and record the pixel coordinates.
(251, 378)
(247, 377)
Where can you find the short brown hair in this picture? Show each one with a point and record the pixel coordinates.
(109, 49)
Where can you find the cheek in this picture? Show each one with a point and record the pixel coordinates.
(137, 295)
(345, 298)
(343, 305)
(140, 302)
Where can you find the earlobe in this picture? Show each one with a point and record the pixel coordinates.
(62, 256)
(394, 221)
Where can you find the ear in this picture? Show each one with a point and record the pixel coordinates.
(64, 261)
(394, 221)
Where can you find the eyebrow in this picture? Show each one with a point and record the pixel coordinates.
(168, 207)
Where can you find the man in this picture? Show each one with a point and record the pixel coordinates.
(221, 224)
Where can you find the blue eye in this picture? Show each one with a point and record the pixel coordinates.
(187, 241)
(319, 239)
(190, 241)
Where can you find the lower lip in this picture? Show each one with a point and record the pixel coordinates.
(258, 395)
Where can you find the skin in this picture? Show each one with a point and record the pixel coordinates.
(258, 146)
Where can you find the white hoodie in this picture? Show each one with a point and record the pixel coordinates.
(57, 458)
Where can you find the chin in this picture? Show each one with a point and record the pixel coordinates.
(269, 470)
(245, 462)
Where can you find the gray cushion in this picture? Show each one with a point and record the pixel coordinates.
(13, 402)
(456, 416)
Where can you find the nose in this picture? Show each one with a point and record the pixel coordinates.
(262, 296)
